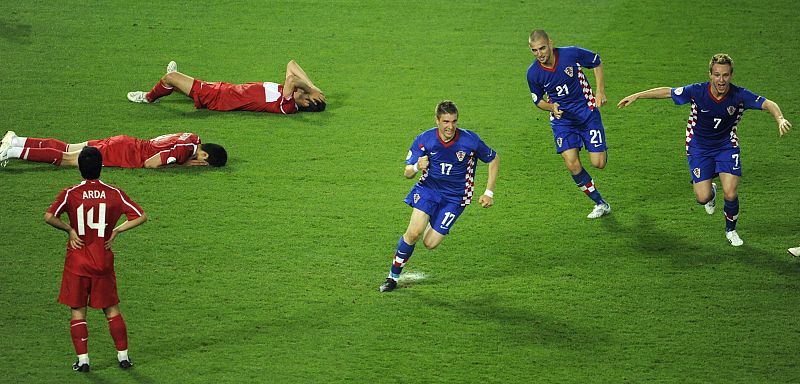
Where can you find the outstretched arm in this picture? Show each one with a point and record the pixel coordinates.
(296, 78)
(601, 85)
(783, 125)
(487, 199)
(74, 240)
(655, 93)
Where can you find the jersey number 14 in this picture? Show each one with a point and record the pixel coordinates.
(99, 225)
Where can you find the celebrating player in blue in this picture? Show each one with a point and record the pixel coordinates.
(576, 122)
(446, 156)
(711, 142)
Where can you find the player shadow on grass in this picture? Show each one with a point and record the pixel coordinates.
(652, 241)
(515, 325)
(15, 33)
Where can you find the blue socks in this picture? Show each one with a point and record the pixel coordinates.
(731, 214)
(401, 256)
(586, 184)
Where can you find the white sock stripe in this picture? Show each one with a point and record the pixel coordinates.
(82, 322)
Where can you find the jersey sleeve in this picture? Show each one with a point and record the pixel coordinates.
(129, 207)
(536, 89)
(485, 153)
(683, 95)
(587, 58)
(417, 149)
(59, 205)
(750, 99)
(178, 154)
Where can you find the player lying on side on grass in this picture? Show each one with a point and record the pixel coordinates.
(297, 94)
(117, 151)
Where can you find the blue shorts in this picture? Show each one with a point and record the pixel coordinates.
(443, 214)
(589, 134)
(706, 164)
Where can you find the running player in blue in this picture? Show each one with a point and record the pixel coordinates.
(447, 156)
(576, 122)
(711, 142)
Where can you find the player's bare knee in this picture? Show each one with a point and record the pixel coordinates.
(731, 196)
(169, 79)
(411, 237)
(430, 244)
(599, 164)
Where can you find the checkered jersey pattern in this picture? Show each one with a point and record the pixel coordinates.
(739, 113)
(690, 124)
(469, 185)
(587, 89)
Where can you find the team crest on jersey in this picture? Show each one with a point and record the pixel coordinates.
(568, 71)
(559, 141)
(460, 155)
(731, 110)
(416, 198)
(678, 91)
(696, 172)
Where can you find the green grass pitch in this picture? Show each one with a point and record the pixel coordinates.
(267, 270)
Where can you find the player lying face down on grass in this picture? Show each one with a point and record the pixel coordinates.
(117, 151)
(447, 157)
(297, 93)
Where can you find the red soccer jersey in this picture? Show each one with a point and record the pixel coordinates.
(256, 97)
(130, 152)
(93, 208)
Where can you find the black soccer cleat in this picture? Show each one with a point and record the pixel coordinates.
(80, 368)
(125, 364)
(388, 285)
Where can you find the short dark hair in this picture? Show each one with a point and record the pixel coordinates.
(446, 107)
(312, 107)
(217, 156)
(90, 162)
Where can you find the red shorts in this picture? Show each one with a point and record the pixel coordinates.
(119, 151)
(98, 292)
(207, 95)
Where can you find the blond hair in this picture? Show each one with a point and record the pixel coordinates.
(720, 58)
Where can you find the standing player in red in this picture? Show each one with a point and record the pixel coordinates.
(297, 94)
(117, 151)
(88, 278)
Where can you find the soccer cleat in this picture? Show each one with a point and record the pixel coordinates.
(599, 210)
(138, 97)
(125, 364)
(80, 368)
(794, 251)
(733, 238)
(711, 205)
(172, 67)
(5, 145)
(388, 285)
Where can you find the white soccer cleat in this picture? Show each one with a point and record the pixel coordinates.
(599, 210)
(138, 97)
(733, 238)
(5, 145)
(794, 251)
(712, 205)
(172, 67)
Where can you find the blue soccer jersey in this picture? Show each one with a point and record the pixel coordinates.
(565, 84)
(712, 122)
(451, 169)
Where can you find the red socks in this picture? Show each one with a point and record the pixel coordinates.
(42, 155)
(46, 143)
(116, 326)
(159, 91)
(80, 336)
